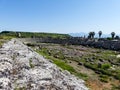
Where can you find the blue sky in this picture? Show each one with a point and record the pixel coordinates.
(60, 16)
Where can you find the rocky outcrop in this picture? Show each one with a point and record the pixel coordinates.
(97, 43)
(23, 69)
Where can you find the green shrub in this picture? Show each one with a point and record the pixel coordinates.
(114, 87)
(88, 65)
(106, 72)
(104, 78)
(105, 66)
(82, 75)
(101, 70)
(109, 38)
(117, 76)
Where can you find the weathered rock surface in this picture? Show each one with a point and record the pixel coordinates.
(23, 69)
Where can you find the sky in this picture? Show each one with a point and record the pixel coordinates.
(60, 16)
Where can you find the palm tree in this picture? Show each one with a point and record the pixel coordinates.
(100, 33)
(91, 35)
(113, 35)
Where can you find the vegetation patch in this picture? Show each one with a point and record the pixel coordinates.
(82, 75)
(105, 66)
(4, 38)
(104, 78)
(114, 87)
(20, 88)
(31, 64)
(58, 62)
(64, 66)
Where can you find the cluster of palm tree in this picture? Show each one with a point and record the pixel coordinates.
(92, 34)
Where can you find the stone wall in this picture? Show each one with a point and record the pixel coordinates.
(97, 43)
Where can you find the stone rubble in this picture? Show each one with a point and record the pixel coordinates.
(21, 68)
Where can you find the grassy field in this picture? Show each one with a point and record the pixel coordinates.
(99, 68)
(35, 34)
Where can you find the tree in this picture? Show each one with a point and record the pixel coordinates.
(113, 35)
(117, 37)
(91, 35)
(100, 33)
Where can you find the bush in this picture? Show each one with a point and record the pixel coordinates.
(117, 76)
(114, 87)
(88, 65)
(104, 78)
(82, 75)
(105, 66)
(109, 38)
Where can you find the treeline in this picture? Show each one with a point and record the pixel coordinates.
(113, 35)
(35, 35)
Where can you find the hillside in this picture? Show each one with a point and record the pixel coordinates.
(98, 67)
(35, 34)
(23, 69)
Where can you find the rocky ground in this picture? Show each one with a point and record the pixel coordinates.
(23, 69)
(98, 67)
